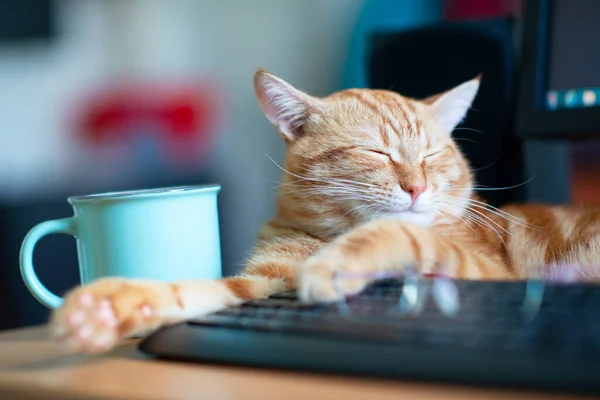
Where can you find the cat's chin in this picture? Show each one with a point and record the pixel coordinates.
(424, 219)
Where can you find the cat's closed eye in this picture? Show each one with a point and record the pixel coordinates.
(378, 152)
(381, 155)
(434, 153)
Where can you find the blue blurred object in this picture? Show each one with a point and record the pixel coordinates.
(572, 98)
(382, 16)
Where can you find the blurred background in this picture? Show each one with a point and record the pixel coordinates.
(99, 95)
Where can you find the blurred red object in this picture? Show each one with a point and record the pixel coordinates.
(177, 120)
(177, 112)
(480, 9)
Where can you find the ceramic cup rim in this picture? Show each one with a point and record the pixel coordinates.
(145, 193)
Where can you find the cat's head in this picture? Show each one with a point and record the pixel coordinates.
(362, 154)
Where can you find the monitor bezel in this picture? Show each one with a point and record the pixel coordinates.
(533, 118)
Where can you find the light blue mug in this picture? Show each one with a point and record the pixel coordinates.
(166, 234)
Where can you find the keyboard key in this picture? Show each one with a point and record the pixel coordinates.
(215, 320)
(288, 295)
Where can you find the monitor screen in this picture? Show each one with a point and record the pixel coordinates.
(573, 55)
(559, 71)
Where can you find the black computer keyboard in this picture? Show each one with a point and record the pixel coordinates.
(491, 340)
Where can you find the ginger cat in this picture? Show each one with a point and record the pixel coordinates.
(373, 182)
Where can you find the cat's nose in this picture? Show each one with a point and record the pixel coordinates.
(415, 190)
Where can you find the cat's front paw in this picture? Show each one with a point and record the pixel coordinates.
(95, 317)
(329, 276)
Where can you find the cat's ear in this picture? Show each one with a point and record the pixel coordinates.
(285, 106)
(452, 105)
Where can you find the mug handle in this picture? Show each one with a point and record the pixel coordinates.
(39, 291)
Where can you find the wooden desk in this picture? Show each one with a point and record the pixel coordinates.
(31, 367)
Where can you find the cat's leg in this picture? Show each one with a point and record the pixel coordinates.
(386, 246)
(96, 316)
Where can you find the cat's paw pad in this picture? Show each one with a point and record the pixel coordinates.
(94, 318)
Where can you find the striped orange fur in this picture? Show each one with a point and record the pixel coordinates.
(373, 182)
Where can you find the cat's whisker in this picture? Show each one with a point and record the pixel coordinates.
(488, 165)
(360, 192)
(357, 208)
(341, 193)
(368, 198)
(324, 184)
(340, 197)
(469, 209)
(325, 189)
(456, 214)
(471, 130)
(334, 190)
(484, 224)
(476, 217)
(483, 188)
(506, 216)
(467, 140)
(327, 180)
(342, 180)
(478, 110)
(494, 210)
(304, 178)
(343, 185)
(469, 219)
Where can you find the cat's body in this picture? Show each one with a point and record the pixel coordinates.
(373, 182)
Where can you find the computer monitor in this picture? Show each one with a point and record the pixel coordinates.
(559, 93)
